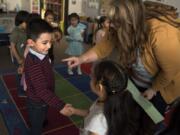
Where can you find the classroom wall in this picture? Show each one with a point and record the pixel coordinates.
(11, 4)
(104, 7)
(25, 5)
(77, 7)
(80, 7)
(175, 3)
(84, 8)
(91, 9)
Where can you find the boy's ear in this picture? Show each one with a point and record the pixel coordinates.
(30, 42)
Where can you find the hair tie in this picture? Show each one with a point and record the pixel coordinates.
(113, 92)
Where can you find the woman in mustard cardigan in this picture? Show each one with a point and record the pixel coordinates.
(147, 38)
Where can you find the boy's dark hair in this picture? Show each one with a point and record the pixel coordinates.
(48, 12)
(21, 16)
(74, 15)
(124, 116)
(36, 27)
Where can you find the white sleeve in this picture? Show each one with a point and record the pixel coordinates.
(97, 125)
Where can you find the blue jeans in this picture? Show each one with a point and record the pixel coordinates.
(37, 113)
(20, 90)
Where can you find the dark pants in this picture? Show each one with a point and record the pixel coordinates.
(157, 100)
(159, 104)
(20, 90)
(37, 114)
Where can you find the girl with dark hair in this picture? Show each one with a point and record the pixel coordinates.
(75, 39)
(103, 26)
(49, 16)
(148, 44)
(115, 112)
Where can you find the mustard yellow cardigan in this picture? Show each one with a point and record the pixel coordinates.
(161, 58)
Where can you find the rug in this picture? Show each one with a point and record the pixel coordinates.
(71, 89)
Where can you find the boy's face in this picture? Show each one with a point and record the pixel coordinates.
(42, 44)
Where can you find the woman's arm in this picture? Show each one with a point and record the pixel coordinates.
(89, 56)
(100, 50)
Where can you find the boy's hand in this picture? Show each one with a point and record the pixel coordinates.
(66, 110)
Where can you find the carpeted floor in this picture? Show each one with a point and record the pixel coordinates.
(3, 128)
(12, 119)
(71, 89)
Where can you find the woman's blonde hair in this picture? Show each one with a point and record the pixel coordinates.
(158, 10)
(130, 20)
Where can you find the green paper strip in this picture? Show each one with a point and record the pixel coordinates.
(148, 107)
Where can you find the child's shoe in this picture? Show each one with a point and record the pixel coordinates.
(79, 71)
(70, 72)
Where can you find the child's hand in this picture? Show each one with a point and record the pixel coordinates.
(66, 110)
(73, 110)
(20, 69)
